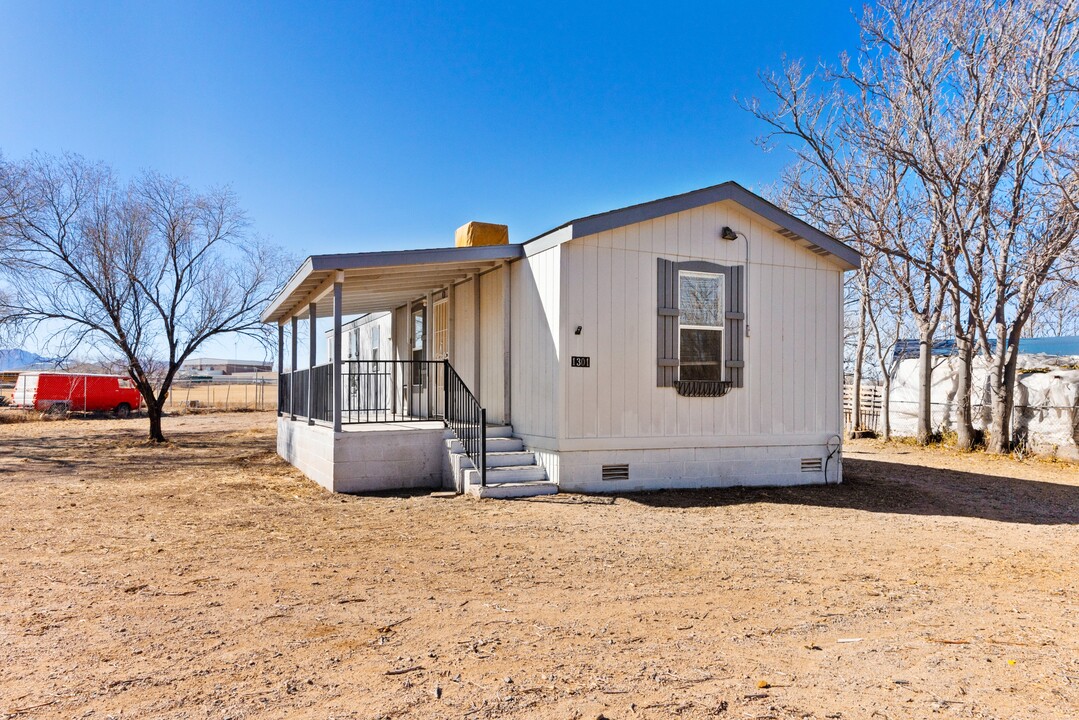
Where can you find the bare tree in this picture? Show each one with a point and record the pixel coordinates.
(1056, 310)
(964, 114)
(150, 270)
(886, 320)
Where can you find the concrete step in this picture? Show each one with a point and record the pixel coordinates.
(510, 474)
(507, 491)
(493, 431)
(495, 444)
(510, 459)
(495, 460)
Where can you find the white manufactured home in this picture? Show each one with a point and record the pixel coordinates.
(693, 341)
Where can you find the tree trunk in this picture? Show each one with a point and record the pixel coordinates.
(859, 360)
(154, 412)
(964, 419)
(925, 386)
(886, 408)
(1000, 427)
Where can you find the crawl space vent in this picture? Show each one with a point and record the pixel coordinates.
(616, 472)
(811, 464)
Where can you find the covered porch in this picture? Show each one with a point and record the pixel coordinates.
(359, 421)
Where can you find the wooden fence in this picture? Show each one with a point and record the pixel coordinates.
(871, 407)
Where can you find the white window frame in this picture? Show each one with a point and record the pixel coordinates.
(721, 315)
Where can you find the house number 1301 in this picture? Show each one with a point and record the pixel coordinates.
(580, 361)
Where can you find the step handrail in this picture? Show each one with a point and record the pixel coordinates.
(466, 418)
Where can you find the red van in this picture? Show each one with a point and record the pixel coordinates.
(62, 392)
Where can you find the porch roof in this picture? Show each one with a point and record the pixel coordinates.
(376, 281)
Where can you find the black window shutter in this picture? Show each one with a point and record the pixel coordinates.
(667, 319)
(667, 324)
(734, 329)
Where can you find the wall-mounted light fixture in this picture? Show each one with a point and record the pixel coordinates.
(728, 234)
(577, 331)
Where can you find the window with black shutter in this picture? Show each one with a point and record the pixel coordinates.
(700, 321)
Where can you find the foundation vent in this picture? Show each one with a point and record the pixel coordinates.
(616, 472)
(811, 464)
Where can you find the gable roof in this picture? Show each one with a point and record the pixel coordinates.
(788, 225)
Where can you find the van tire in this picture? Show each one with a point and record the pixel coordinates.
(123, 411)
(57, 409)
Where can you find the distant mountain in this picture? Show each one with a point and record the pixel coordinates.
(15, 359)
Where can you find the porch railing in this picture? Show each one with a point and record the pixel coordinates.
(284, 393)
(467, 419)
(300, 392)
(385, 391)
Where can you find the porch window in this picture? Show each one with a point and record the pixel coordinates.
(700, 326)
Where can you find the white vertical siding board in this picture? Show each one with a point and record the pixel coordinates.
(835, 315)
(573, 292)
(646, 337)
(684, 230)
(491, 344)
(607, 312)
(820, 350)
(670, 236)
(617, 334)
(465, 326)
(790, 321)
(593, 320)
(698, 246)
(803, 364)
(772, 336)
(635, 344)
(633, 237)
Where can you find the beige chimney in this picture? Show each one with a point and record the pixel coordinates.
(475, 234)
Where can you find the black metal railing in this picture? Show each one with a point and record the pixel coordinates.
(381, 391)
(284, 393)
(322, 392)
(467, 419)
(384, 391)
(299, 392)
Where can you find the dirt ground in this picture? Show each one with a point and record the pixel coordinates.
(208, 579)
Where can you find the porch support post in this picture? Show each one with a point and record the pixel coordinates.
(292, 371)
(312, 323)
(337, 350)
(396, 356)
(429, 377)
(280, 362)
(506, 343)
(428, 313)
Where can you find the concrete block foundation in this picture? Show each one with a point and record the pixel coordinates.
(368, 458)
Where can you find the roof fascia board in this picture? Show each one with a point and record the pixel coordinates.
(293, 283)
(393, 258)
(548, 241)
(848, 256)
(387, 259)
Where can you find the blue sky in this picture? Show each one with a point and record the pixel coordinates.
(360, 126)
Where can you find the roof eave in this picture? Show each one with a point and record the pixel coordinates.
(323, 264)
(845, 256)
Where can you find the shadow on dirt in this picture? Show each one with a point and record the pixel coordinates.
(884, 487)
(869, 485)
